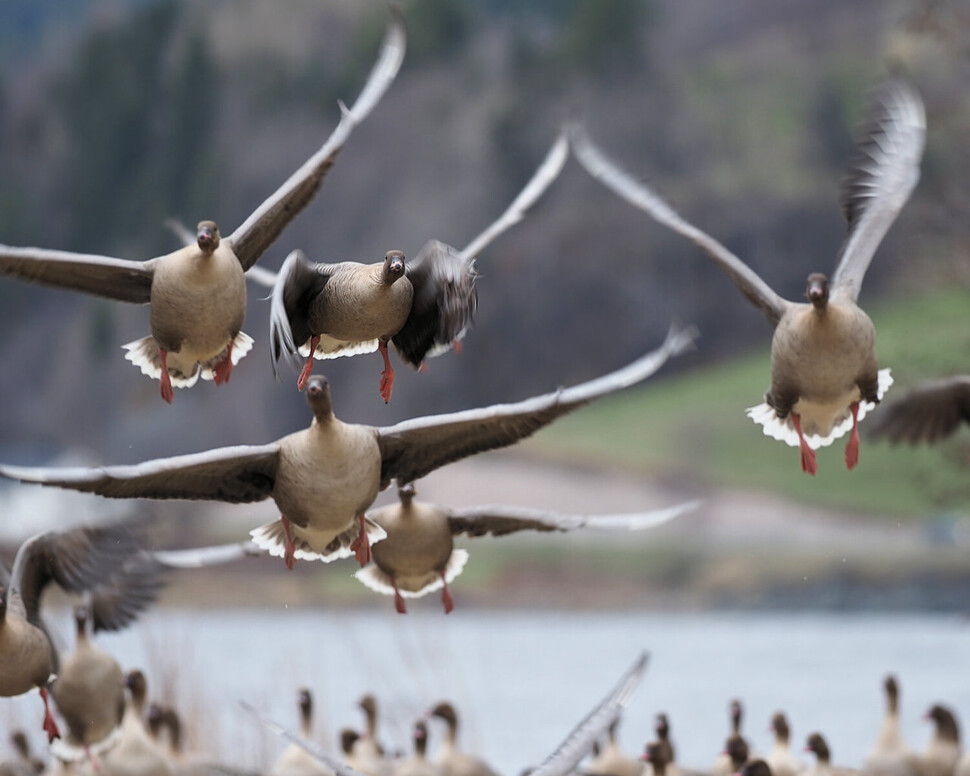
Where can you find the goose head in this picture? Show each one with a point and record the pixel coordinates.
(756, 768)
(393, 266)
(816, 744)
(662, 726)
(406, 493)
(946, 723)
(420, 736)
(207, 237)
(818, 290)
(779, 724)
(348, 738)
(318, 397)
(654, 754)
(81, 621)
(892, 691)
(138, 687)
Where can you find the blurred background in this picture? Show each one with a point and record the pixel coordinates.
(118, 114)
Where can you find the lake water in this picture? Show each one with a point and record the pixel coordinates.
(521, 680)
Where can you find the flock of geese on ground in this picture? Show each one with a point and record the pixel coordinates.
(325, 478)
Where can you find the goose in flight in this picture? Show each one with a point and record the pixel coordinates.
(418, 555)
(197, 294)
(423, 307)
(324, 478)
(824, 374)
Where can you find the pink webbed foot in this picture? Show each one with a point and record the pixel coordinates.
(361, 545)
(852, 446)
(50, 724)
(92, 760)
(308, 366)
(289, 550)
(387, 376)
(399, 604)
(457, 346)
(223, 371)
(809, 464)
(446, 597)
(166, 388)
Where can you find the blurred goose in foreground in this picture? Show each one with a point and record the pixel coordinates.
(735, 747)
(90, 694)
(611, 761)
(417, 764)
(824, 376)
(561, 762)
(198, 293)
(890, 756)
(77, 560)
(182, 763)
(661, 727)
(324, 478)
(449, 758)
(135, 754)
(417, 555)
(295, 761)
(781, 760)
(931, 412)
(942, 754)
(23, 763)
(817, 745)
(367, 743)
(757, 768)
(422, 307)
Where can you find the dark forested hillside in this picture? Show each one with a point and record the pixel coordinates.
(740, 113)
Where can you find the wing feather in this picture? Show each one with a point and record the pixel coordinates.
(930, 412)
(607, 172)
(125, 281)
(266, 223)
(413, 448)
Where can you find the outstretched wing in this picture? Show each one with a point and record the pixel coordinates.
(200, 557)
(233, 474)
(594, 725)
(128, 592)
(883, 173)
(930, 412)
(266, 223)
(413, 448)
(607, 172)
(499, 520)
(312, 748)
(126, 281)
(548, 172)
(78, 560)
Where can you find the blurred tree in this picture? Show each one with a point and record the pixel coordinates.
(437, 29)
(605, 36)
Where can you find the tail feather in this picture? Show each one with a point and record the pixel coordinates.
(313, 545)
(380, 581)
(144, 354)
(241, 345)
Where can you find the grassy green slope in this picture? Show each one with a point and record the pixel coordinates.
(696, 423)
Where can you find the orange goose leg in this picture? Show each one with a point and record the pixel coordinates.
(399, 604)
(361, 545)
(167, 393)
(809, 466)
(308, 366)
(50, 725)
(223, 371)
(387, 376)
(289, 550)
(852, 446)
(446, 597)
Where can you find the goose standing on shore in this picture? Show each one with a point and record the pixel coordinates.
(324, 478)
(135, 754)
(198, 293)
(942, 754)
(417, 764)
(295, 761)
(890, 756)
(422, 307)
(781, 760)
(817, 745)
(418, 556)
(824, 374)
(728, 762)
(450, 758)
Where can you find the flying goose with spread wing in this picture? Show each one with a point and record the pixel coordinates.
(197, 294)
(422, 307)
(824, 374)
(929, 413)
(80, 560)
(324, 478)
(418, 555)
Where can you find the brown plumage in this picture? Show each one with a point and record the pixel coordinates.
(323, 478)
(421, 307)
(197, 293)
(929, 413)
(824, 377)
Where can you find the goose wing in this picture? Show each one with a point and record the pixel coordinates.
(236, 475)
(543, 177)
(883, 173)
(500, 520)
(930, 412)
(126, 281)
(594, 725)
(266, 223)
(413, 448)
(607, 172)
